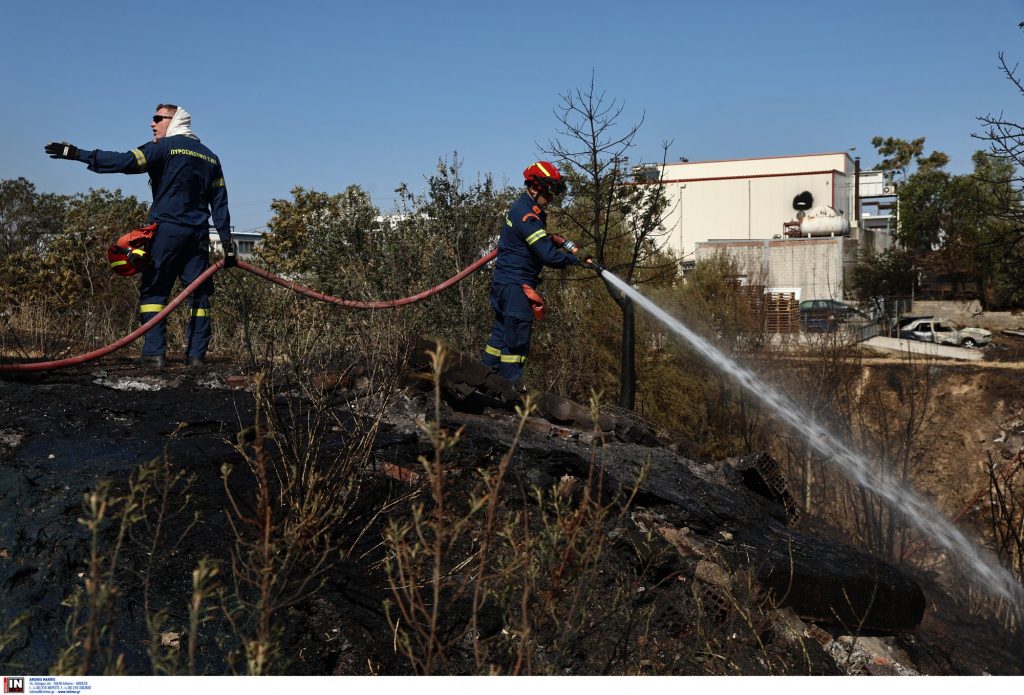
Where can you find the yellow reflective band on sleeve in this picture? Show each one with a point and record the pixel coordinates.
(201, 313)
(151, 308)
(218, 183)
(533, 238)
(492, 351)
(138, 252)
(541, 167)
(508, 222)
(114, 264)
(140, 159)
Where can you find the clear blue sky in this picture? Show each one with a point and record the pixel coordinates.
(328, 94)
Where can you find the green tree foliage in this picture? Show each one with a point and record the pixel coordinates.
(342, 245)
(903, 155)
(973, 250)
(329, 239)
(27, 218)
(954, 227)
(890, 273)
(58, 290)
(997, 243)
(924, 208)
(28, 221)
(53, 248)
(76, 259)
(442, 232)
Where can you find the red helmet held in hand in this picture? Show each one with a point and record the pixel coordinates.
(545, 177)
(130, 254)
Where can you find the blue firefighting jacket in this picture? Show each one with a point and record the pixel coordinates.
(186, 178)
(524, 247)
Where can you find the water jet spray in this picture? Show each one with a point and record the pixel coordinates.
(996, 579)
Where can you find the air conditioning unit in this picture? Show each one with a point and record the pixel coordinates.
(889, 190)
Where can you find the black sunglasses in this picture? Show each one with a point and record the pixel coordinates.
(157, 119)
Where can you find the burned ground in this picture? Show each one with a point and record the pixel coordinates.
(702, 568)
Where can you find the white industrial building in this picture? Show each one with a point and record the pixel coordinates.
(795, 222)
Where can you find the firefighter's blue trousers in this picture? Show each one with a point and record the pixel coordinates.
(509, 343)
(178, 252)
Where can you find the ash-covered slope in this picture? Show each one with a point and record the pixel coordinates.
(712, 544)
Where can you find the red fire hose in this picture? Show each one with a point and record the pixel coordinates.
(353, 304)
(96, 354)
(348, 303)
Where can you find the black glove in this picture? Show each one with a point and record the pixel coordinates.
(61, 150)
(230, 259)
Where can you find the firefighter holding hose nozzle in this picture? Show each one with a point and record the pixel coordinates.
(524, 249)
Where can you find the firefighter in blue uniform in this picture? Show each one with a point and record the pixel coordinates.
(188, 187)
(524, 248)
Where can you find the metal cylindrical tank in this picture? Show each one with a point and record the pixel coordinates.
(824, 221)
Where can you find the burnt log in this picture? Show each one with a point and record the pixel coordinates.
(743, 520)
(820, 579)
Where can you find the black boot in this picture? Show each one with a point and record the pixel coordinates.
(157, 361)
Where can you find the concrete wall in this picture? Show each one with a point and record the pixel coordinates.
(970, 314)
(878, 240)
(813, 265)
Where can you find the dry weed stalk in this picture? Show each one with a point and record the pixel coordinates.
(418, 566)
(92, 639)
(163, 494)
(1006, 526)
(562, 591)
(541, 589)
(14, 633)
(140, 520)
(287, 531)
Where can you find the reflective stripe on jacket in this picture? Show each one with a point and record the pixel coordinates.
(525, 247)
(186, 178)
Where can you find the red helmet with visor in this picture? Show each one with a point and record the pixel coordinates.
(545, 177)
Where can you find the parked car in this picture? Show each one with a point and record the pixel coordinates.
(826, 314)
(944, 332)
(897, 325)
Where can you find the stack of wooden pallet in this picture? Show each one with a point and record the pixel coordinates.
(782, 312)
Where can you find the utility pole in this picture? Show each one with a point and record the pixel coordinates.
(856, 193)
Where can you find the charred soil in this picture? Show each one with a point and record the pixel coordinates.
(605, 552)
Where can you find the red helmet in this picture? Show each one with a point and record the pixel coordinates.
(545, 176)
(130, 254)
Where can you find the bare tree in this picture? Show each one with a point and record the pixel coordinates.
(615, 209)
(1005, 140)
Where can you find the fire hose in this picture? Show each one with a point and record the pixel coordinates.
(354, 304)
(118, 344)
(267, 275)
